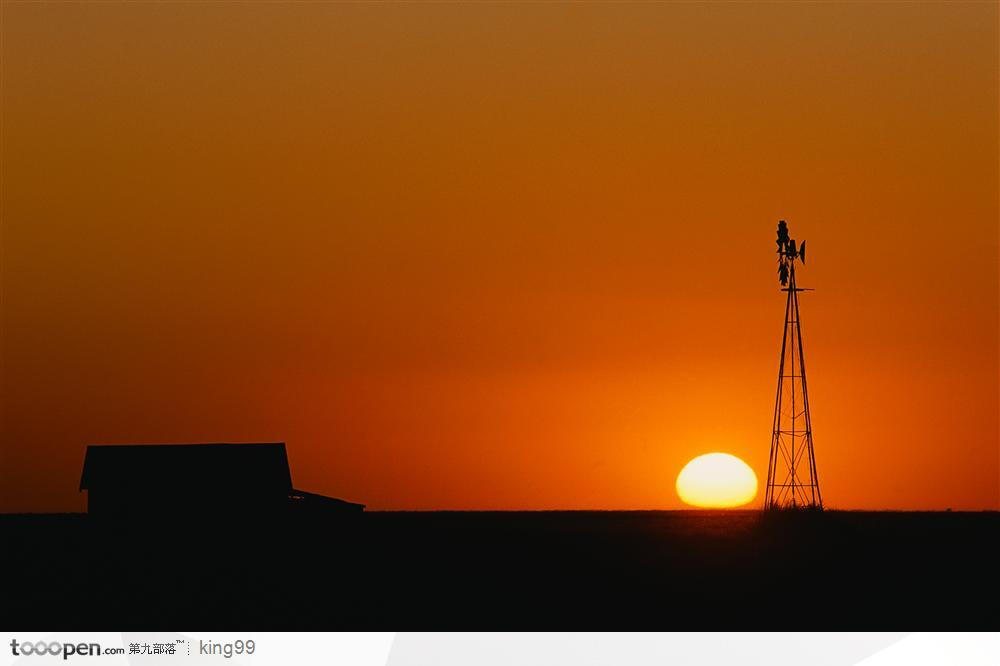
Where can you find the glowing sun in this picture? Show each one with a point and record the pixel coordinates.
(716, 481)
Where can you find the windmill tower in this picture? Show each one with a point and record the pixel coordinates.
(792, 482)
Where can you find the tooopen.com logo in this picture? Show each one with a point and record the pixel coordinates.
(55, 648)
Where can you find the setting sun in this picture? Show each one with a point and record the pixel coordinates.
(716, 480)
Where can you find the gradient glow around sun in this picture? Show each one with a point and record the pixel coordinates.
(716, 481)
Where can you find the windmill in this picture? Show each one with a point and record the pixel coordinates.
(792, 482)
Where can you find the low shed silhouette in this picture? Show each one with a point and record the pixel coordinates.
(234, 479)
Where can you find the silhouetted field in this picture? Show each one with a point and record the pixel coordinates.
(507, 570)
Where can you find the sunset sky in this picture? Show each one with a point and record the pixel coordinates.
(501, 256)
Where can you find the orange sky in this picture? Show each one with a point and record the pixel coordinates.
(501, 256)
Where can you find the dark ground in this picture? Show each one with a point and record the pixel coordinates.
(499, 571)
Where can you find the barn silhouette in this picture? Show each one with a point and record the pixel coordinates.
(249, 480)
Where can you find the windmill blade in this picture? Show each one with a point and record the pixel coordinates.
(782, 234)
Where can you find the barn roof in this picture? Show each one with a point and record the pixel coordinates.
(263, 467)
